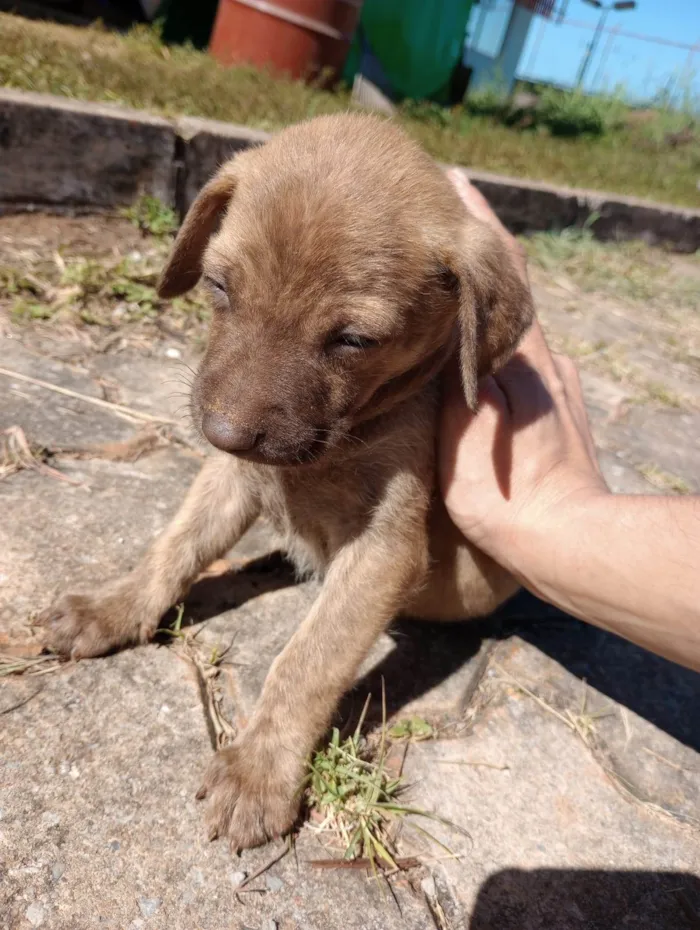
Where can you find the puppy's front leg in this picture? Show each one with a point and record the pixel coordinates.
(253, 786)
(219, 508)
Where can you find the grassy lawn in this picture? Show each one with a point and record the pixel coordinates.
(137, 70)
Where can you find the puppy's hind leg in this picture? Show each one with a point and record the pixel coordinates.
(219, 508)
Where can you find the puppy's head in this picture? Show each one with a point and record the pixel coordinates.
(342, 269)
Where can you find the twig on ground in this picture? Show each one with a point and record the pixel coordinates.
(16, 455)
(268, 865)
(8, 710)
(403, 863)
(95, 401)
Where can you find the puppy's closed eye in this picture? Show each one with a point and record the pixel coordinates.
(346, 343)
(216, 288)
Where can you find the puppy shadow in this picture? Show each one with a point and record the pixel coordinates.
(427, 654)
(424, 655)
(660, 691)
(492, 393)
(215, 593)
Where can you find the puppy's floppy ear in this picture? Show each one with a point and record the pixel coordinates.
(495, 305)
(184, 266)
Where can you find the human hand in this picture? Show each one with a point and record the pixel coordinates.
(511, 466)
(525, 452)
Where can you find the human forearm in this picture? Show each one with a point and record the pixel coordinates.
(596, 557)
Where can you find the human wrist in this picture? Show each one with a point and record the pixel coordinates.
(543, 545)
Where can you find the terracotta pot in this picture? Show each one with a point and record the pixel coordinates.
(299, 38)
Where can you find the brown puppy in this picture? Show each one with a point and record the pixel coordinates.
(343, 271)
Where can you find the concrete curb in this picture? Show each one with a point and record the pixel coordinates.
(64, 155)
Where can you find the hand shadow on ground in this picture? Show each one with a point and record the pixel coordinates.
(425, 654)
(569, 899)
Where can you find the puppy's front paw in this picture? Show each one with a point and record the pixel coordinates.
(250, 799)
(93, 624)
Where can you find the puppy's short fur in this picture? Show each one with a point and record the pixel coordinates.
(343, 271)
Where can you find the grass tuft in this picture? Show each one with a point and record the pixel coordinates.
(356, 794)
(152, 216)
(627, 270)
(664, 480)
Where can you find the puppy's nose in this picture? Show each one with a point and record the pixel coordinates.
(228, 436)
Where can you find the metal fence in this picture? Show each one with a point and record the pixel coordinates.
(644, 67)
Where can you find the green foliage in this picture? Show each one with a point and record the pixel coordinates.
(152, 216)
(352, 788)
(425, 111)
(489, 101)
(31, 310)
(573, 113)
(416, 728)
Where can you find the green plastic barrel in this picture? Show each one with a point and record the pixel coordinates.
(418, 43)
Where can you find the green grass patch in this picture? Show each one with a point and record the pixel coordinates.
(628, 270)
(152, 216)
(137, 70)
(106, 292)
(352, 788)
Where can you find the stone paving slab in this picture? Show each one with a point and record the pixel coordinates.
(99, 827)
(640, 712)
(555, 845)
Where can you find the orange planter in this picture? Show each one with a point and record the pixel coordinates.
(300, 38)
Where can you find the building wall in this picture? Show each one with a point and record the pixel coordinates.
(496, 36)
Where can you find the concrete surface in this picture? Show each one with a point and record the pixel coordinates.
(570, 757)
(208, 144)
(64, 153)
(526, 206)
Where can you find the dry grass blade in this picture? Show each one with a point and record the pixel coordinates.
(31, 665)
(582, 723)
(486, 765)
(207, 666)
(16, 454)
(95, 401)
(673, 765)
(267, 865)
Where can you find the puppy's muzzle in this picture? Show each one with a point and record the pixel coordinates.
(224, 434)
(267, 440)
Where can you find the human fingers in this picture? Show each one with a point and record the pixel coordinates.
(472, 198)
(568, 372)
